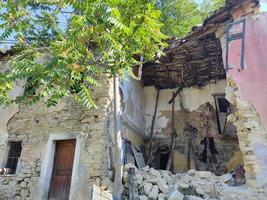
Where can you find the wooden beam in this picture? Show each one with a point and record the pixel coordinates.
(133, 189)
(168, 76)
(176, 93)
(152, 126)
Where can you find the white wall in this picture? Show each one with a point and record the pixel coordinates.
(134, 100)
(191, 99)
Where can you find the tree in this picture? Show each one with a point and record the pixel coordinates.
(179, 16)
(207, 7)
(97, 36)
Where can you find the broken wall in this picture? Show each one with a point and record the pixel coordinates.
(247, 91)
(190, 108)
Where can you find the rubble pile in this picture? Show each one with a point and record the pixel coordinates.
(193, 185)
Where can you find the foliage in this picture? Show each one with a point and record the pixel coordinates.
(209, 6)
(179, 16)
(99, 36)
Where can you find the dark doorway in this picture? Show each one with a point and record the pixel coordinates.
(163, 160)
(62, 171)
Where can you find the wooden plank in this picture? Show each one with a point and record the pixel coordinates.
(133, 189)
(129, 158)
(138, 158)
(152, 125)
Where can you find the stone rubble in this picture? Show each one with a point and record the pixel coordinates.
(192, 185)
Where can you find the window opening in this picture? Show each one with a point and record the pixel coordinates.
(223, 104)
(13, 156)
(235, 36)
(223, 109)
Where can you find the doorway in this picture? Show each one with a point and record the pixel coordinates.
(62, 170)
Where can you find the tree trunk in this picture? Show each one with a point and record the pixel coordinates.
(117, 189)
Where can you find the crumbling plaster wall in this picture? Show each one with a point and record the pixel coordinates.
(133, 110)
(193, 100)
(33, 125)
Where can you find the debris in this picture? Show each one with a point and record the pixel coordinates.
(154, 192)
(176, 195)
(192, 185)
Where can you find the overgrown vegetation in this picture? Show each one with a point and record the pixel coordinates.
(98, 37)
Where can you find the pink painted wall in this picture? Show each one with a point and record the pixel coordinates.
(252, 80)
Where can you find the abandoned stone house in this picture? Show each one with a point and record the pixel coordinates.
(201, 106)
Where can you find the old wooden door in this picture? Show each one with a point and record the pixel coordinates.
(62, 171)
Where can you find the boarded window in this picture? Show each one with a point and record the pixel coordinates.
(13, 156)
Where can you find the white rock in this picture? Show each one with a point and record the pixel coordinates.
(146, 168)
(154, 172)
(154, 192)
(226, 177)
(191, 172)
(106, 183)
(129, 165)
(181, 185)
(139, 178)
(162, 185)
(143, 197)
(125, 177)
(203, 174)
(200, 190)
(176, 195)
(191, 197)
(165, 172)
(167, 177)
(163, 196)
(147, 188)
(152, 178)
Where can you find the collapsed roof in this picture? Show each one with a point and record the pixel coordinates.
(197, 58)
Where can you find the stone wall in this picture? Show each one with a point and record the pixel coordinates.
(35, 124)
(252, 137)
(190, 108)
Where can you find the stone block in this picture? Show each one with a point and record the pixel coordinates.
(147, 188)
(191, 197)
(176, 195)
(23, 184)
(154, 193)
(163, 196)
(203, 174)
(162, 185)
(143, 197)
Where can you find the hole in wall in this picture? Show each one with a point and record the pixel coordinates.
(213, 151)
(163, 160)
